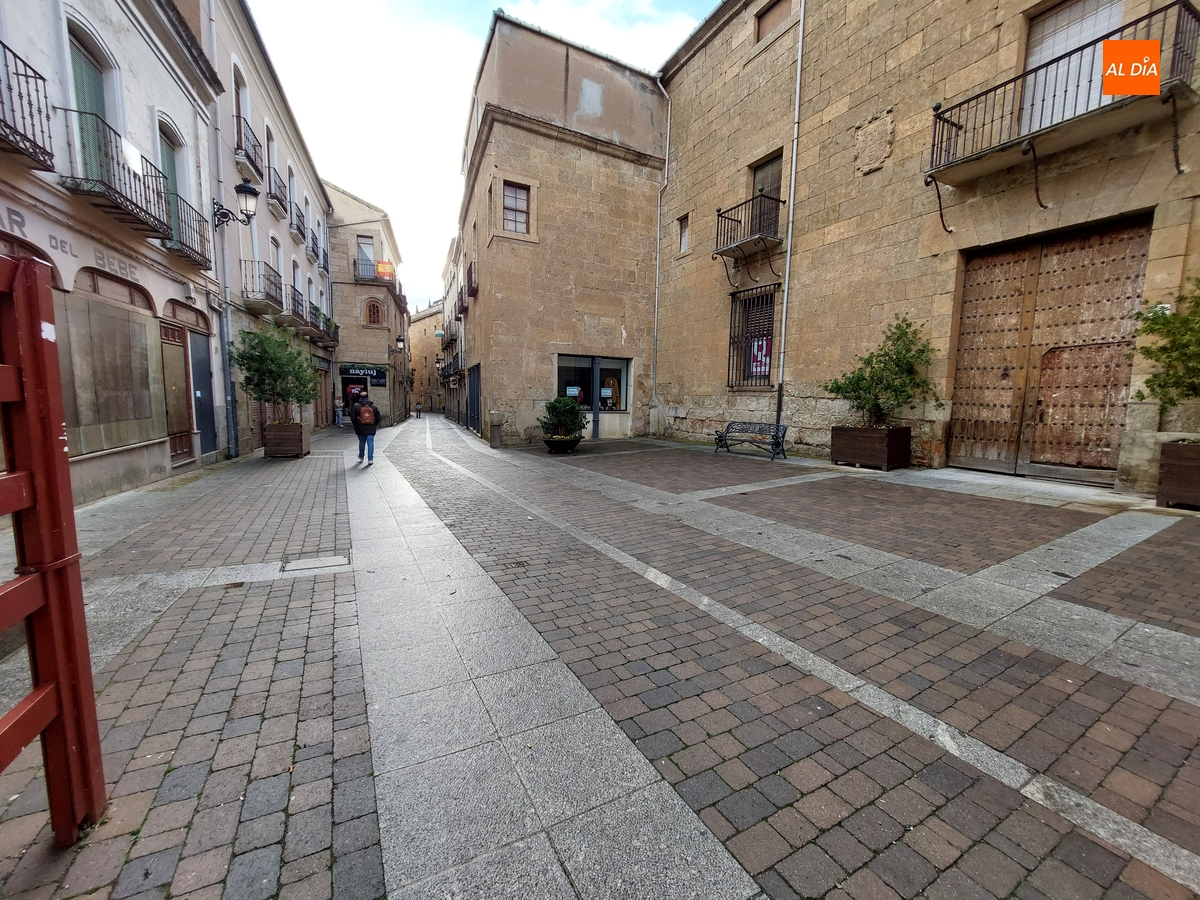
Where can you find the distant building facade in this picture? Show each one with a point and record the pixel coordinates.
(426, 332)
(549, 288)
(369, 306)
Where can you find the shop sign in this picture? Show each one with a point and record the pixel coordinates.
(377, 374)
(320, 362)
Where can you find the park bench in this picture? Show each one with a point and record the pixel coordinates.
(761, 435)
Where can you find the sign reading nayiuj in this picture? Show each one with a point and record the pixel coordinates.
(1131, 68)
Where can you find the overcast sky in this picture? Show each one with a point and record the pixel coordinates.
(382, 89)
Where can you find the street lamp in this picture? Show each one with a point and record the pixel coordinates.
(399, 346)
(247, 198)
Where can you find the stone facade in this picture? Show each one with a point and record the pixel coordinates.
(426, 349)
(369, 306)
(576, 277)
(867, 241)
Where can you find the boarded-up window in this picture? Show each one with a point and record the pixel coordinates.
(771, 18)
(768, 177)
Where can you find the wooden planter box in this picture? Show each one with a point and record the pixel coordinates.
(1179, 475)
(286, 440)
(883, 448)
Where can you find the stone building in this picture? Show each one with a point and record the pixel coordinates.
(276, 269)
(1060, 209)
(106, 108)
(369, 306)
(550, 284)
(426, 331)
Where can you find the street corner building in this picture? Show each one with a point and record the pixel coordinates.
(370, 307)
(550, 281)
(126, 121)
(810, 172)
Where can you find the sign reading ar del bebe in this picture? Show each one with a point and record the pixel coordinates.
(1131, 68)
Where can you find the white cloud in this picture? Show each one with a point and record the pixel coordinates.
(382, 92)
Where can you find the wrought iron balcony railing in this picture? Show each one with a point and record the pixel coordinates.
(1052, 96)
(189, 232)
(472, 280)
(295, 312)
(277, 193)
(25, 110)
(452, 367)
(297, 221)
(249, 150)
(262, 288)
(314, 247)
(99, 172)
(374, 270)
(324, 263)
(753, 224)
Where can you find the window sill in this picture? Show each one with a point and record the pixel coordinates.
(516, 236)
(755, 389)
(780, 30)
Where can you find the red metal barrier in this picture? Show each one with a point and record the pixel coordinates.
(48, 591)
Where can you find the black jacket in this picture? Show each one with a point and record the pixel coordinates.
(359, 427)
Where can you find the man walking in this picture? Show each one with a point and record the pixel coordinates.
(365, 418)
(418, 409)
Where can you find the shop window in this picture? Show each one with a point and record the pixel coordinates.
(751, 331)
(576, 379)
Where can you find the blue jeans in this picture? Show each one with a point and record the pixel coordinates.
(367, 441)
(338, 413)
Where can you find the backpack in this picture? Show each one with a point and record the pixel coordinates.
(366, 415)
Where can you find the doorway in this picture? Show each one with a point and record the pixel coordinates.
(1044, 359)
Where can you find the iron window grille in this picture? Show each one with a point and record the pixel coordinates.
(751, 336)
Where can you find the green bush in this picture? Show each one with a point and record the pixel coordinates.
(275, 371)
(889, 378)
(564, 418)
(1177, 350)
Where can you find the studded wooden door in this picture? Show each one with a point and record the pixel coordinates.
(1043, 366)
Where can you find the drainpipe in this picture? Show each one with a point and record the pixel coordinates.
(231, 435)
(787, 270)
(658, 254)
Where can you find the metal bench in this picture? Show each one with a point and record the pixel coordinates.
(761, 435)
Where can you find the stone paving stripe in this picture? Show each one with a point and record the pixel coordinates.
(758, 485)
(1131, 656)
(1140, 843)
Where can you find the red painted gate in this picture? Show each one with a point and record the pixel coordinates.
(48, 591)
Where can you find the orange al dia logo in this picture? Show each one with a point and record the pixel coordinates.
(1131, 68)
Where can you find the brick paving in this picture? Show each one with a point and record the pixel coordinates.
(257, 510)
(682, 471)
(236, 754)
(959, 532)
(1158, 581)
(815, 794)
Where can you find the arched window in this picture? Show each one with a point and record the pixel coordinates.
(374, 313)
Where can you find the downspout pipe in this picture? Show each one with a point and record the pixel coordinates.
(226, 310)
(787, 271)
(658, 251)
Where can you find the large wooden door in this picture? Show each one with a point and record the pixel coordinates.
(177, 386)
(1043, 364)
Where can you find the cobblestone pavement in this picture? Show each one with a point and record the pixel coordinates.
(644, 671)
(839, 741)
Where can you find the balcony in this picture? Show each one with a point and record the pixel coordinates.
(25, 111)
(374, 270)
(277, 194)
(323, 265)
(248, 152)
(472, 281)
(1059, 104)
(189, 237)
(295, 309)
(328, 337)
(748, 227)
(296, 224)
(450, 339)
(312, 323)
(100, 173)
(313, 247)
(262, 288)
(451, 368)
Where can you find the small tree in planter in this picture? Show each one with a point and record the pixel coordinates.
(1177, 353)
(281, 374)
(885, 381)
(562, 425)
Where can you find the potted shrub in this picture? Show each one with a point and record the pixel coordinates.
(886, 380)
(562, 425)
(277, 372)
(1177, 353)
